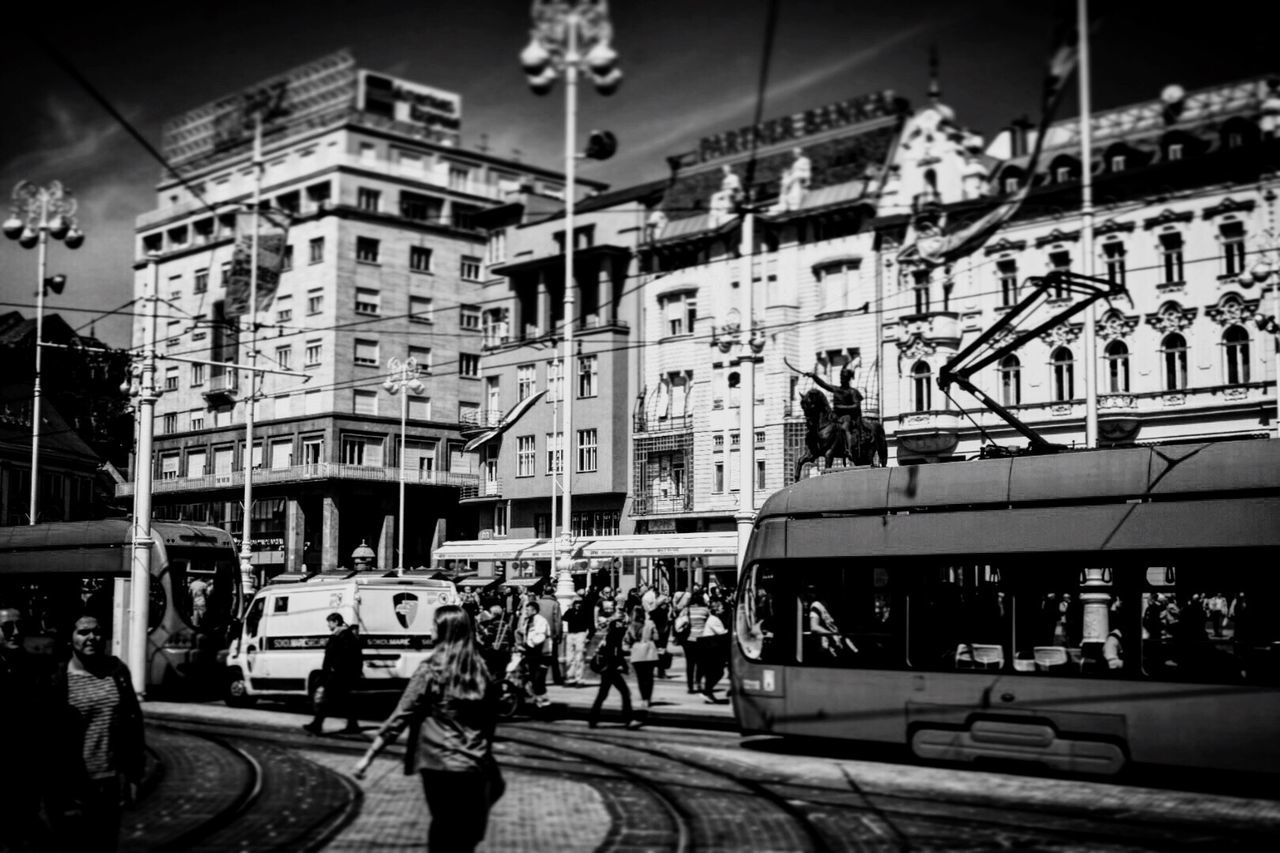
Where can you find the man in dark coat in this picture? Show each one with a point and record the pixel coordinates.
(549, 608)
(25, 711)
(343, 667)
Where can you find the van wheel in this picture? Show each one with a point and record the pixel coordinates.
(238, 695)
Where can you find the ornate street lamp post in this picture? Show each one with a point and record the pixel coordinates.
(402, 378)
(37, 214)
(569, 36)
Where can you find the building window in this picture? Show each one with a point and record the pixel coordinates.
(1117, 163)
(717, 476)
(366, 352)
(526, 453)
(284, 309)
(419, 259)
(1010, 380)
(202, 281)
(367, 250)
(587, 439)
(169, 423)
(315, 301)
(368, 301)
(1011, 185)
(365, 402)
(420, 310)
(284, 357)
(1235, 347)
(469, 318)
(1062, 175)
(1117, 356)
(1113, 257)
(197, 422)
(497, 248)
(470, 268)
(920, 288)
(316, 253)
(1171, 254)
(286, 260)
(1060, 262)
(1174, 351)
(169, 466)
(526, 381)
(555, 453)
(469, 365)
(459, 178)
(1175, 151)
(1007, 271)
(922, 386)
(587, 376)
(1232, 248)
(197, 375)
(1064, 375)
(717, 442)
(311, 355)
(171, 379)
(422, 355)
(760, 474)
(500, 520)
(367, 199)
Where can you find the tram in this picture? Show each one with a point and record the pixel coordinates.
(58, 571)
(1083, 610)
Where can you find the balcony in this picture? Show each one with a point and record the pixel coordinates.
(928, 433)
(938, 327)
(651, 424)
(302, 474)
(660, 504)
(222, 387)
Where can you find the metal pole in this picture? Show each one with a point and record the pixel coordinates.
(140, 568)
(747, 407)
(555, 415)
(564, 582)
(404, 416)
(41, 263)
(1086, 229)
(247, 579)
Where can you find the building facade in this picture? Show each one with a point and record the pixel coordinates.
(383, 258)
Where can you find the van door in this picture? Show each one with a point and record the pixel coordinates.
(397, 624)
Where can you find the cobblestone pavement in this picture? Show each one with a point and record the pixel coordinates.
(571, 788)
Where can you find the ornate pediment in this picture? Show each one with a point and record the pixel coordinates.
(1171, 317)
(1057, 236)
(1232, 309)
(1004, 244)
(916, 347)
(1168, 217)
(1228, 205)
(1113, 226)
(1063, 334)
(1115, 325)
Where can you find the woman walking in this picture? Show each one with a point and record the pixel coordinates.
(643, 636)
(451, 703)
(713, 650)
(696, 613)
(610, 661)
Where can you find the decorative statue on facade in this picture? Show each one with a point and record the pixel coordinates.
(838, 428)
(724, 201)
(795, 182)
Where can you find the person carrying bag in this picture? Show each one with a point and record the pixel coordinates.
(450, 707)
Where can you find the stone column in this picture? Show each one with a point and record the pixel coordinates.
(544, 306)
(330, 559)
(387, 543)
(605, 309)
(295, 525)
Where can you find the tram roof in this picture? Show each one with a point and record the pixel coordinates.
(101, 532)
(1097, 476)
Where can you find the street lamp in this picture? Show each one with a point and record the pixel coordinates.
(402, 378)
(38, 213)
(569, 36)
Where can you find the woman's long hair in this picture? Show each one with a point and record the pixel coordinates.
(635, 630)
(457, 665)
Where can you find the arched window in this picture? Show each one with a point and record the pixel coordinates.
(1117, 355)
(1010, 380)
(1235, 347)
(1064, 375)
(1174, 350)
(922, 386)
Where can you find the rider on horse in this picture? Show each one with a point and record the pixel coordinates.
(846, 405)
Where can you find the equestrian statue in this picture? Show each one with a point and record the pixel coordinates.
(838, 428)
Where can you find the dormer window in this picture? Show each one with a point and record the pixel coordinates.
(1117, 163)
(1175, 151)
(1010, 185)
(1062, 174)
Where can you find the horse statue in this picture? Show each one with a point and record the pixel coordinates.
(825, 438)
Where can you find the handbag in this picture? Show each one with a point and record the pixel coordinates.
(664, 659)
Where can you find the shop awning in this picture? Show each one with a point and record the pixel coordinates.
(523, 583)
(506, 423)
(494, 549)
(477, 583)
(721, 543)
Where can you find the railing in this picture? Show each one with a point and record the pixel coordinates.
(302, 473)
(679, 423)
(653, 505)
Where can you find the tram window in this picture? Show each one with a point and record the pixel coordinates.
(849, 618)
(959, 618)
(1073, 620)
(1210, 622)
(758, 614)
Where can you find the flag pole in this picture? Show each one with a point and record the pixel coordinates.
(1086, 228)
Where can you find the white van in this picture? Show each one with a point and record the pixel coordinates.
(280, 649)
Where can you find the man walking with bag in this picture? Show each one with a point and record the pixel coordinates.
(342, 669)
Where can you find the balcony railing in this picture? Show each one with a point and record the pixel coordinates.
(678, 423)
(656, 504)
(304, 473)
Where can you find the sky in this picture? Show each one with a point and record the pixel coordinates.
(691, 68)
